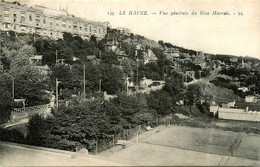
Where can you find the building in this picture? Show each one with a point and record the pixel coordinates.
(243, 89)
(149, 56)
(120, 54)
(111, 45)
(93, 59)
(190, 74)
(124, 31)
(249, 98)
(200, 62)
(171, 53)
(233, 59)
(241, 111)
(47, 22)
(36, 60)
(228, 104)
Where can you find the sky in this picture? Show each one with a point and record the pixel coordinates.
(217, 34)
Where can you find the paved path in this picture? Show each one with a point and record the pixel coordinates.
(20, 155)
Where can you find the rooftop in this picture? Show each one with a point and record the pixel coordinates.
(251, 106)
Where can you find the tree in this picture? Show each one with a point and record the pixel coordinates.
(80, 123)
(37, 130)
(193, 94)
(174, 86)
(11, 135)
(93, 39)
(112, 79)
(160, 101)
(6, 101)
(68, 37)
(109, 58)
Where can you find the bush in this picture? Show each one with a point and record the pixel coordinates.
(11, 135)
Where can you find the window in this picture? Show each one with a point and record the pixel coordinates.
(6, 25)
(6, 9)
(14, 27)
(99, 30)
(80, 28)
(37, 22)
(6, 16)
(57, 25)
(86, 29)
(30, 18)
(15, 16)
(44, 20)
(22, 19)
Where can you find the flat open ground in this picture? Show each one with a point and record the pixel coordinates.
(177, 145)
(12, 154)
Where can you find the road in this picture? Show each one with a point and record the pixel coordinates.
(21, 155)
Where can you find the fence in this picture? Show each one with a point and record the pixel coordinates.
(28, 110)
(130, 134)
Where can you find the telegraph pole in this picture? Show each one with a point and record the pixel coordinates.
(137, 75)
(57, 94)
(113, 143)
(84, 82)
(13, 88)
(127, 85)
(96, 147)
(56, 57)
(100, 85)
(100, 75)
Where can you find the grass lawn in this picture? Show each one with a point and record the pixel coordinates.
(158, 147)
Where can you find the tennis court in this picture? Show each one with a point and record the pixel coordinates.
(178, 145)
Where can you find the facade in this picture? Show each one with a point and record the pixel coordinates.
(241, 111)
(36, 60)
(233, 59)
(124, 31)
(249, 98)
(190, 74)
(149, 56)
(111, 45)
(171, 53)
(47, 22)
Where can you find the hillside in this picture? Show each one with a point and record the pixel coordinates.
(219, 94)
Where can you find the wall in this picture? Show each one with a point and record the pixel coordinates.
(238, 114)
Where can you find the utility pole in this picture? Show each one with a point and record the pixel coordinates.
(96, 147)
(100, 85)
(137, 76)
(100, 75)
(113, 143)
(57, 94)
(127, 85)
(84, 82)
(13, 88)
(56, 57)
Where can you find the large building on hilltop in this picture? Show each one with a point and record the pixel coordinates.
(47, 22)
